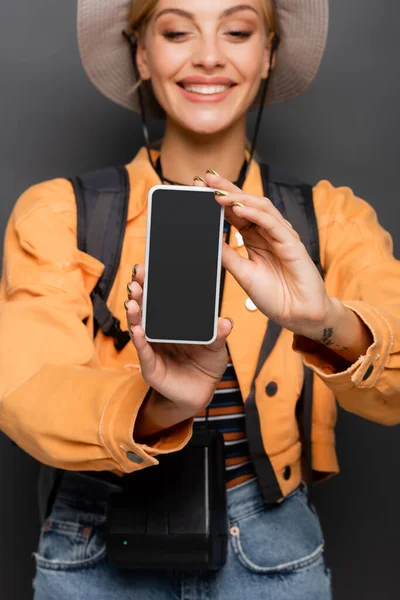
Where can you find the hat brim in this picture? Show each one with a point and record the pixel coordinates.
(107, 59)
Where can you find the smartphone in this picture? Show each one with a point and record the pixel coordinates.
(183, 265)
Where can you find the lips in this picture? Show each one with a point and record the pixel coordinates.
(206, 86)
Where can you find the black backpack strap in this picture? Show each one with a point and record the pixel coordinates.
(102, 199)
(267, 479)
(294, 199)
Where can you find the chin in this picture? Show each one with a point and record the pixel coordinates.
(205, 122)
(205, 128)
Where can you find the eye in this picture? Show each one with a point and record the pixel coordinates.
(174, 35)
(240, 35)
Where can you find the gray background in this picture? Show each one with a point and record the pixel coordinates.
(345, 129)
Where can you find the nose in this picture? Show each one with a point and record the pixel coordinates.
(208, 53)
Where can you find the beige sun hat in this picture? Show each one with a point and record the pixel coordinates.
(107, 59)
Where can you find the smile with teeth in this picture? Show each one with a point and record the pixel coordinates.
(206, 90)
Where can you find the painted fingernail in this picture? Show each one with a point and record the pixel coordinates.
(220, 193)
(238, 204)
(212, 172)
(197, 177)
(128, 290)
(134, 271)
(131, 329)
(126, 304)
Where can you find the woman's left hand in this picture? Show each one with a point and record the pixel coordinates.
(278, 275)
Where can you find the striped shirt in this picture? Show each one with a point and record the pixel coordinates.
(226, 413)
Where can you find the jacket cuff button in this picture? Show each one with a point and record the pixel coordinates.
(133, 457)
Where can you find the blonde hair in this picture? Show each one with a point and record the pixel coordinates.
(142, 11)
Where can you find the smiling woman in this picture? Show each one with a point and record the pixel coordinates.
(97, 414)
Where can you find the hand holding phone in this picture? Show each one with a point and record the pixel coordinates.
(184, 374)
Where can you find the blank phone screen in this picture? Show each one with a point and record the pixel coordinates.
(183, 265)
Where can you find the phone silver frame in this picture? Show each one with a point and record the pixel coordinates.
(218, 283)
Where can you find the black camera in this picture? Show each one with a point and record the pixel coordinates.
(173, 515)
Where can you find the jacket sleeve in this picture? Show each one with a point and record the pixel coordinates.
(57, 401)
(357, 257)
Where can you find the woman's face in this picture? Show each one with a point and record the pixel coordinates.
(206, 59)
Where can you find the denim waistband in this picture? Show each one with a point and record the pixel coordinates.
(244, 498)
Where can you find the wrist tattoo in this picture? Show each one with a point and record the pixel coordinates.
(327, 336)
(327, 339)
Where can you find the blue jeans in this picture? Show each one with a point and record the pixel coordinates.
(274, 553)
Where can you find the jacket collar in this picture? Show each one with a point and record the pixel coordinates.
(142, 177)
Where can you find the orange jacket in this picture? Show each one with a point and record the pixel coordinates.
(72, 403)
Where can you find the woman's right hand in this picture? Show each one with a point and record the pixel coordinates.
(184, 375)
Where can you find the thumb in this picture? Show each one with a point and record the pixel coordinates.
(224, 329)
